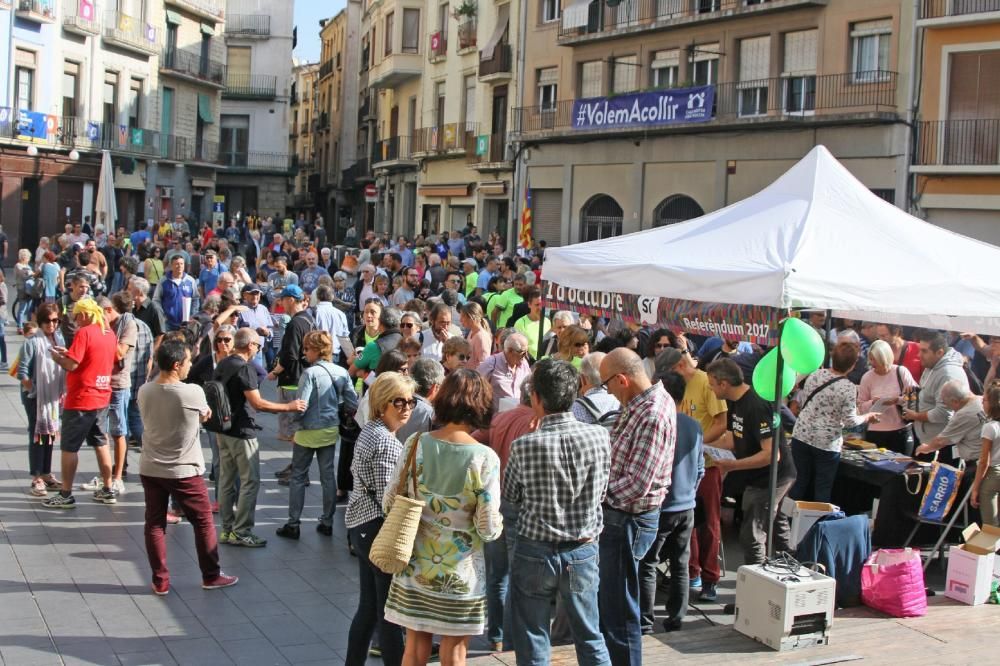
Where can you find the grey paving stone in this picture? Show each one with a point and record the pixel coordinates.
(152, 658)
(198, 651)
(309, 653)
(234, 632)
(254, 652)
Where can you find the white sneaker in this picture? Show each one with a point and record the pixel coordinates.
(118, 486)
(94, 484)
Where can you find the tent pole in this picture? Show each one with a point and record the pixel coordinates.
(541, 334)
(826, 337)
(777, 435)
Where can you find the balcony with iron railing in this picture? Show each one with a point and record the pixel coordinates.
(959, 146)
(496, 67)
(635, 16)
(326, 69)
(37, 11)
(496, 157)
(852, 97)
(131, 33)
(450, 139)
(467, 35)
(248, 25)
(438, 48)
(189, 65)
(79, 18)
(213, 10)
(393, 152)
(957, 12)
(250, 86)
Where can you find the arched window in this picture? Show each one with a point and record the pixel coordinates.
(677, 208)
(601, 217)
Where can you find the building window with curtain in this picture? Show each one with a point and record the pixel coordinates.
(591, 75)
(411, 30)
(470, 102)
(799, 72)
(134, 103)
(69, 91)
(387, 34)
(664, 70)
(870, 42)
(24, 78)
(548, 80)
(550, 11)
(624, 74)
(753, 86)
(705, 64)
(234, 140)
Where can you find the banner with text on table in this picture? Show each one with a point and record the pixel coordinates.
(750, 323)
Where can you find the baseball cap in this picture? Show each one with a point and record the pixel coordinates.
(251, 288)
(667, 359)
(471, 262)
(211, 253)
(292, 291)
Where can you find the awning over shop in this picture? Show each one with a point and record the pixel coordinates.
(576, 13)
(208, 29)
(131, 181)
(503, 18)
(493, 188)
(205, 109)
(447, 190)
(173, 17)
(202, 182)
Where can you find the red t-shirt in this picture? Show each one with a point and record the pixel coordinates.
(89, 386)
(911, 360)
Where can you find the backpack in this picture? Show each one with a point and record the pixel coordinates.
(221, 419)
(606, 420)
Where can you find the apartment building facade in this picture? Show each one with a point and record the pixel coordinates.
(956, 158)
(650, 112)
(302, 138)
(255, 113)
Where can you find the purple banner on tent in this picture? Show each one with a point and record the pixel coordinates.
(749, 323)
(662, 107)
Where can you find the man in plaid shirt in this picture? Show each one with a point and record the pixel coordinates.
(557, 475)
(642, 455)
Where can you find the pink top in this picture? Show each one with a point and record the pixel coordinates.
(481, 342)
(874, 386)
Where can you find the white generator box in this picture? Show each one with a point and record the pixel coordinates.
(784, 608)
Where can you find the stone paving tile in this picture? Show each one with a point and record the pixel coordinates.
(254, 652)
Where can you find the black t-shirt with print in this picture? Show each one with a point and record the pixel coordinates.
(750, 419)
(244, 379)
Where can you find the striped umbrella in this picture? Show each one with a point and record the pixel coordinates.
(107, 211)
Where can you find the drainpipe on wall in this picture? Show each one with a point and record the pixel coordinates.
(520, 168)
(912, 113)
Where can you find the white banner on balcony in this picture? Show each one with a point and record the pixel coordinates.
(503, 17)
(575, 15)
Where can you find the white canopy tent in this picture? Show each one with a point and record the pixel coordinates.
(815, 238)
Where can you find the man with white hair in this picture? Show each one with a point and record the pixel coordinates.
(594, 401)
(560, 320)
(964, 429)
(506, 370)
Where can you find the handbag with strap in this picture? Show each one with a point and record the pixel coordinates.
(393, 545)
(818, 390)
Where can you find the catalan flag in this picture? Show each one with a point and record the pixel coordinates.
(525, 237)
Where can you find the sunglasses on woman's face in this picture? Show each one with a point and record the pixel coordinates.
(51, 320)
(407, 324)
(403, 404)
(226, 340)
(462, 357)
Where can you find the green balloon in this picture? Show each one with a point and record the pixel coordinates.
(763, 376)
(801, 346)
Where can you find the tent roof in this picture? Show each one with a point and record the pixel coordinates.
(815, 238)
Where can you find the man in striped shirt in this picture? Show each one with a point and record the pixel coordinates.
(642, 454)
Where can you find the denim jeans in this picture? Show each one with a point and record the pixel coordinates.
(134, 418)
(370, 615)
(625, 540)
(753, 532)
(301, 461)
(286, 420)
(498, 554)
(118, 412)
(815, 471)
(22, 310)
(238, 458)
(673, 544)
(542, 570)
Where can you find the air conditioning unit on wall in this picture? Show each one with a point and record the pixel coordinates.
(167, 192)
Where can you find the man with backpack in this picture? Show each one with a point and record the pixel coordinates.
(595, 404)
(291, 360)
(234, 388)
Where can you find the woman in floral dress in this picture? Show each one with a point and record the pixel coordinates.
(443, 589)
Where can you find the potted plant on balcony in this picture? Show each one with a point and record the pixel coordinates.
(464, 11)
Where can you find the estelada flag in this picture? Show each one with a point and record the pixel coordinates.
(525, 238)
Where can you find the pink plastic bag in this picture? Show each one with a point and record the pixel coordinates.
(892, 581)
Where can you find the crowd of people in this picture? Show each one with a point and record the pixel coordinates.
(560, 459)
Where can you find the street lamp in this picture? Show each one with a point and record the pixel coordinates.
(74, 155)
(32, 151)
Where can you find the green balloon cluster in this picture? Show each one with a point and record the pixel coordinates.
(802, 349)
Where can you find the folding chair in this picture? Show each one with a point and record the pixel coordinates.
(945, 525)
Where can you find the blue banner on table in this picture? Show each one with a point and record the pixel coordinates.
(647, 109)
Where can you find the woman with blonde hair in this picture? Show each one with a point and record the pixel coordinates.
(574, 344)
(479, 337)
(443, 589)
(455, 354)
(324, 387)
(886, 383)
(376, 453)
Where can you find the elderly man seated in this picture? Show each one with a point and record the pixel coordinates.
(964, 429)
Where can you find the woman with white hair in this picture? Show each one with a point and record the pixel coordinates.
(23, 274)
(885, 383)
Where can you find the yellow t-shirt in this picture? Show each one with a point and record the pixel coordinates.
(699, 402)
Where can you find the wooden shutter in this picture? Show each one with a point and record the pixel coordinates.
(755, 58)
(974, 85)
(546, 216)
(238, 61)
(800, 52)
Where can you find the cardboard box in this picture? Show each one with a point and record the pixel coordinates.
(803, 515)
(971, 566)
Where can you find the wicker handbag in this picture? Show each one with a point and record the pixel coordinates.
(393, 545)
